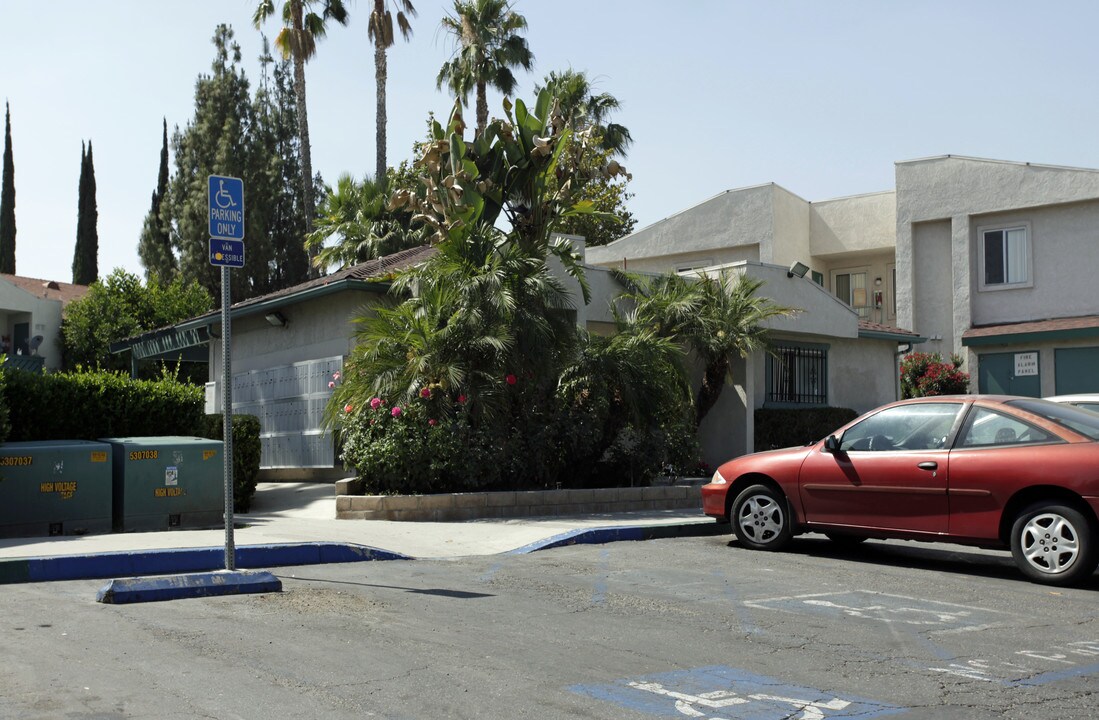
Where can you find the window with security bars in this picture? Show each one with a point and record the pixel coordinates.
(798, 375)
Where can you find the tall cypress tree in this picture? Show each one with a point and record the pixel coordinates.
(276, 142)
(86, 255)
(230, 134)
(7, 202)
(154, 248)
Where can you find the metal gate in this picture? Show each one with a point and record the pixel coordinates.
(289, 401)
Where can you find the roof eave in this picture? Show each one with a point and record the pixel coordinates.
(884, 335)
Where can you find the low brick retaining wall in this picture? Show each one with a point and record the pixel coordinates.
(447, 507)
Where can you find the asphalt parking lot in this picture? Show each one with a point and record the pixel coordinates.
(686, 627)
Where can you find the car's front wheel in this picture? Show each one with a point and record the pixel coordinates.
(761, 518)
(1054, 544)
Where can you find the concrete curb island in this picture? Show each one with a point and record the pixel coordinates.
(295, 524)
(351, 504)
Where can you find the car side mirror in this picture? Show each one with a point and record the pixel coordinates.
(831, 444)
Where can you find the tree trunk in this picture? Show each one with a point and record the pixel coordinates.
(303, 133)
(482, 108)
(713, 382)
(306, 156)
(380, 74)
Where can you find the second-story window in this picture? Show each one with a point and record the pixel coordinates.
(1004, 258)
(850, 286)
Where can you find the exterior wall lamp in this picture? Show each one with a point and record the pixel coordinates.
(798, 269)
(276, 318)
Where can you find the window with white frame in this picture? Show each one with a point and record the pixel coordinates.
(1004, 257)
(850, 286)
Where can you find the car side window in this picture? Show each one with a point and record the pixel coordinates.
(988, 428)
(922, 426)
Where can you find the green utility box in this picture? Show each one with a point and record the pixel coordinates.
(167, 482)
(55, 487)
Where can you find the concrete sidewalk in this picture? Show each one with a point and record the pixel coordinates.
(294, 523)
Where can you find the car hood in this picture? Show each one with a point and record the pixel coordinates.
(766, 461)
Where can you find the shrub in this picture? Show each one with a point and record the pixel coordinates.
(926, 375)
(89, 406)
(779, 428)
(438, 443)
(5, 424)
(246, 455)
(404, 449)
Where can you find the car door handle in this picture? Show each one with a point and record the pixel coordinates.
(929, 465)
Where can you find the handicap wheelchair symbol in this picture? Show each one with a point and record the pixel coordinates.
(223, 198)
(704, 704)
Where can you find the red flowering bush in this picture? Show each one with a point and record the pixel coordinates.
(926, 375)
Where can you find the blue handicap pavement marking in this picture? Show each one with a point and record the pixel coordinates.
(724, 693)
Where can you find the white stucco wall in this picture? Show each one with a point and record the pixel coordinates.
(932, 287)
(862, 374)
(315, 329)
(859, 224)
(790, 240)
(733, 218)
(42, 315)
(966, 192)
(819, 312)
(941, 187)
(1064, 245)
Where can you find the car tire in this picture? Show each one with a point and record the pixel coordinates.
(1054, 544)
(761, 518)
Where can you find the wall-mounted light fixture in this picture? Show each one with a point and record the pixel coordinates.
(276, 318)
(798, 269)
(877, 282)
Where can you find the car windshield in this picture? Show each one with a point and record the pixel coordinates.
(1084, 422)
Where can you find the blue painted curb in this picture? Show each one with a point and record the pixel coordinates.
(163, 562)
(178, 587)
(602, 535)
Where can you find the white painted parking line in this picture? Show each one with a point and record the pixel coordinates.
(723, 693)
(882, 607)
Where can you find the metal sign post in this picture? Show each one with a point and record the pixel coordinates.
(226, 200)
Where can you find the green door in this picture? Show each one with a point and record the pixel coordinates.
(1077, 370)
(996, 375)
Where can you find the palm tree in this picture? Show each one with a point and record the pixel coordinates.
(298, 40)
(718, 318)
(381, 34)
(583, 109)
(487, 46)
(355, 216)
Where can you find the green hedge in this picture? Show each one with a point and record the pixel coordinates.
(93, 405)
(779, 428)
(246, 452)
(5, 423)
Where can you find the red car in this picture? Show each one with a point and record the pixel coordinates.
(985, 470)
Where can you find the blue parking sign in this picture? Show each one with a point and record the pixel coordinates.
(227, 253)
(226, 198)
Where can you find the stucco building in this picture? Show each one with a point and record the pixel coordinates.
(989, 259)
(30, 319)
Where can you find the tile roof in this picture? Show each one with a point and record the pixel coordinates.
(1033, 326)
(866, 325)
(378, 269)
(47, 289)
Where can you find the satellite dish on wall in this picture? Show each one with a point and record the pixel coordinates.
(34, 343)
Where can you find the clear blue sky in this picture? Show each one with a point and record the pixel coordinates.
(821, 97)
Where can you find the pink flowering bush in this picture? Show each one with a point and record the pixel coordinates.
(926, 375)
